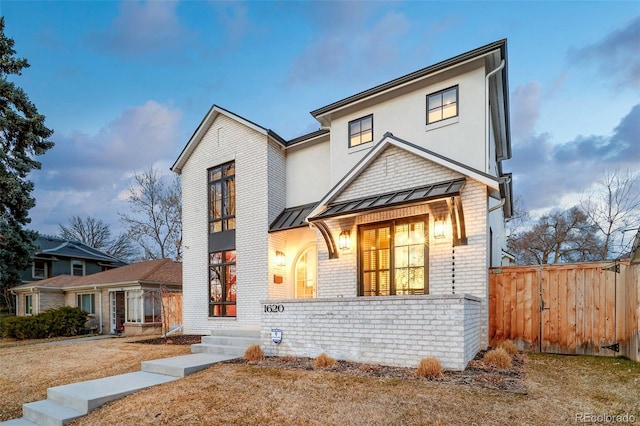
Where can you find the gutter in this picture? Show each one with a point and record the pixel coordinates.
(487, 111)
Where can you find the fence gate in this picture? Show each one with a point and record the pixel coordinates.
(587, 308)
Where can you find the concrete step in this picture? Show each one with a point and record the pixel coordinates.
(18, 422)
(49, 413)
(226, 350)
(237, 332)
(181, 366)
(238, 341)
(89, 395)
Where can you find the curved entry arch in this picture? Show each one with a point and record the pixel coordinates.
(305, 273)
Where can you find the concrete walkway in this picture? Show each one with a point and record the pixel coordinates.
(68, 402)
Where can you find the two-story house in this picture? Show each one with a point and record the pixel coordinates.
(369, 239)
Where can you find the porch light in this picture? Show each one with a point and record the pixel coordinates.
(280, 258)
(438, 228)
(344, 241)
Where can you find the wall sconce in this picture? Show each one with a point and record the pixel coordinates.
(344, 241)
(280, 258)
(438, 228)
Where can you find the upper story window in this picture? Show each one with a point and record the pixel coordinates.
(361, 131)
(442, 105)
(77, 268)
(39, 269)
(222, 198)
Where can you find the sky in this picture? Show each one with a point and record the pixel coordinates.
(125, 84)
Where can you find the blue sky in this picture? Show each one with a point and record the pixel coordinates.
(125, 84)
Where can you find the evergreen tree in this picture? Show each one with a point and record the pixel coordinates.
(23, 136)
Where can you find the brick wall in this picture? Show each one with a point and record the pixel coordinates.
(393, 330)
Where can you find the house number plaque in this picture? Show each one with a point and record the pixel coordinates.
(274, 308)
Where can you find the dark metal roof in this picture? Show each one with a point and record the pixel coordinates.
(501, 44)
(308, 136)
(54, 246)
(392, 199)
(292, 217)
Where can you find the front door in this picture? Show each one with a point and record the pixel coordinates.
(117, 312)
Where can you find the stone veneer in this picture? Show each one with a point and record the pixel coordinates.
(390, 330)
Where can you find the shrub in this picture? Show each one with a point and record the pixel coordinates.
(254, 353)
(65, 321)
(498, 358)
(324, 361)
(509, 346)
(429, 367)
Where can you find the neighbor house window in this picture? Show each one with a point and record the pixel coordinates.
(134, 306)
(361, 131)
(222, 198)
(77, 268)
(87, 303)
(39, 269)
(28, 304)
(222, 284)
(393, 258)
(442, 105)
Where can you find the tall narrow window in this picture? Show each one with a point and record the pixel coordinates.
(393, 258)
(442, 105)
(28, 304)
(222, 198)
(222, 284)
(305, 274)
(361, 131)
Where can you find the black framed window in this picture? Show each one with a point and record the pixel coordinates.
(442, 105)
(393, 257)
(222, 283)
(222, 198)
(77, 268)
(361, 131)
(39, 269)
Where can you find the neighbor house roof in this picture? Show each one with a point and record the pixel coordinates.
(161, 271)
(58, 247)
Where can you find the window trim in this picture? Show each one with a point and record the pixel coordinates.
(45, 269)
(392, 224)
(223, 179)
(82, 263)
(359, 133)
(440, 92)
(92, 297)
(223, 303)
(28, 306)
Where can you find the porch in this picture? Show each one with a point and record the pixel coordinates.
(388, 330)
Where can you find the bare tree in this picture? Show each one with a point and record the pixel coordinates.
(97, 234)
(155, 219)
(613, 205)
(560, 236)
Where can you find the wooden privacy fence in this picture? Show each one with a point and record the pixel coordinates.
(171, 311)
(585, 308)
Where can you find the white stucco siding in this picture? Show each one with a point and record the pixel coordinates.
(307, 173)
(227, 140)
(461, 139)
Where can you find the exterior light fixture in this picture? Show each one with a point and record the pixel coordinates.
(438, 228)
(344, 241)
(280, 258)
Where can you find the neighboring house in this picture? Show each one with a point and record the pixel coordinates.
(369, 239)
(122, 299)
(55, 256)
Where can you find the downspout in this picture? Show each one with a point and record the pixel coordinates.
(100, 297)
(497, 206)
(487, 112)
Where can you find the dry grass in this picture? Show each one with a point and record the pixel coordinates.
(324, 361)
(509, 346)
(254, 353)
(498, 358)
(559, 387)
(429, 367)
(27, 370)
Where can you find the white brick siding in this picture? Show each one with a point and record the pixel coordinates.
(393, 330)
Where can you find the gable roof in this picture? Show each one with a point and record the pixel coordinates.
(54, 246)
(390, 140)
(161, 271)
(204, 125)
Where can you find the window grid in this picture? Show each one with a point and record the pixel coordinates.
(361, 131)
(222, 284)
(442, 105)
(222, 198)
